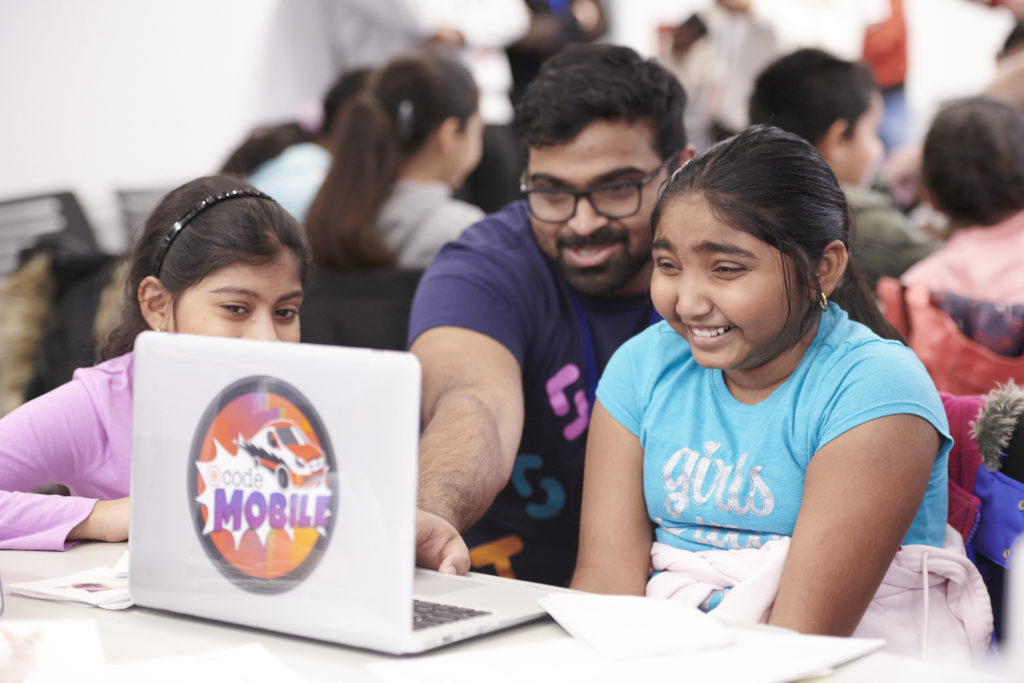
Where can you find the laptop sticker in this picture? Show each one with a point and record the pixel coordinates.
(262, 484)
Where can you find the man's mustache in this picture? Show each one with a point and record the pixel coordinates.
(601, 238)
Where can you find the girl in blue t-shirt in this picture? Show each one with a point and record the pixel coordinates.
(773, 410)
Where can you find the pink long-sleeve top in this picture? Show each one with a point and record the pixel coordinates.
(79, 435)
(981, 263)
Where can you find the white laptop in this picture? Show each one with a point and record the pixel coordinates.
(274, 485)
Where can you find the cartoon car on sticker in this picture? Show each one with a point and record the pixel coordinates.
(282, 447)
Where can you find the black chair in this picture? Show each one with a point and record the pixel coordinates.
(135, 206)
(52, 232)
(23, 221)
(48, 321)
(366, 308)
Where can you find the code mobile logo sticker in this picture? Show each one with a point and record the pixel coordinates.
(262, 484)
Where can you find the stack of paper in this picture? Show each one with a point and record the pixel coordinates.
(105, 587)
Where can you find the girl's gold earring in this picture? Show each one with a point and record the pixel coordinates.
(823, 301)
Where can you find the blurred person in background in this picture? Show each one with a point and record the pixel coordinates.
(402, 145)
(287, 160)
(370, 32)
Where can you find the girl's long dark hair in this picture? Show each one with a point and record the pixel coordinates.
(262, 145)
(266, 142)
(401, 106)
(249, 230)
(776, 186)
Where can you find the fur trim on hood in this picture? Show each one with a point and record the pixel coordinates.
(997, 421)
(28, 299)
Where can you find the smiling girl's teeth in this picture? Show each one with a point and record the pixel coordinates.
(710, 332)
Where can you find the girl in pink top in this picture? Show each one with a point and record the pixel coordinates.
(216, 257)
(973, 171)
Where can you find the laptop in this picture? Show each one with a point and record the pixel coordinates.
(274, 485)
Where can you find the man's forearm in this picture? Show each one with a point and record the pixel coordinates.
(462, 462)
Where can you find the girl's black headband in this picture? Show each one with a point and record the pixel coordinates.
(179, 225)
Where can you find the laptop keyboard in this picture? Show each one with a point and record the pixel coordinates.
(426, 614)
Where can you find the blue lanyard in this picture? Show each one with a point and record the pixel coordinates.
(589, 350)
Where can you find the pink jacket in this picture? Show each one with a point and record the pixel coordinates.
(980, 263)
(950, 622)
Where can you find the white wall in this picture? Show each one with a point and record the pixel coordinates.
(111, 94)
(952, 48)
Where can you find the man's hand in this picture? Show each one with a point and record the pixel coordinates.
(439, 545)
(108, 521)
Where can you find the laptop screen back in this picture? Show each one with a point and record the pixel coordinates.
(274, 484)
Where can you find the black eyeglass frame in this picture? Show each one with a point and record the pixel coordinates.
(588, 192)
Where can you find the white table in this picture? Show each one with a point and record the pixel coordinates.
(138, 633)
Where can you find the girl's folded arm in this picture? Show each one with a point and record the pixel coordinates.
(861, 493)
(32, 521)
(615, 533)
(58, 437)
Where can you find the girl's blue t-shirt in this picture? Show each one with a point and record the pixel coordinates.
(719, 473)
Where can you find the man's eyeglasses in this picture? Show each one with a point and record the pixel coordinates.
(611, 200)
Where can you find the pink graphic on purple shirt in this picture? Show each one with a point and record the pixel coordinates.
(559, 401)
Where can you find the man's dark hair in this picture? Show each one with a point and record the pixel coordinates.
(805, 92)
(587, 83)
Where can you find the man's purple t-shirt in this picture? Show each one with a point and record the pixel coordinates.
(495, 280)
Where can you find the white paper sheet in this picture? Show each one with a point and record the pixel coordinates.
(105, 587)
(756, 656)
(669, 626)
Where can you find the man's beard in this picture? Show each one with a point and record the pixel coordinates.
(610, 276)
